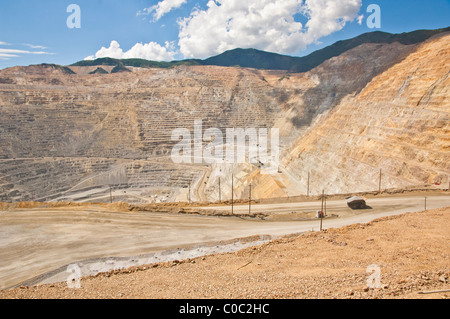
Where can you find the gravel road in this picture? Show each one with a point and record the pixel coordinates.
(37, 241)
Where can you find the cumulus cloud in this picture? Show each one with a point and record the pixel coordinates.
(270, 25)
(148, 51)
(162, 8)
(262, 24)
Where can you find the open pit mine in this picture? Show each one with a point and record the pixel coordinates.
(375, 116)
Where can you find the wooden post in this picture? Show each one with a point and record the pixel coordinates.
(379, 182)
(189, 194)
(220, 192)
(110, 194)
(323, 193)
(250, 200)
(321, 216)
(232, 194)
(307, 192)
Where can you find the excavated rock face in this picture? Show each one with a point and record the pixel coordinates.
(66, 136)
(398, 123)
(63, 134)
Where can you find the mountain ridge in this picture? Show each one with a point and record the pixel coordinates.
(68, 137)
(263, 60)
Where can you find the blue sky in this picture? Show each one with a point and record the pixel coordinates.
(35, 32)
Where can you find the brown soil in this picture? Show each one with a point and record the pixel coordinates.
(411, 251)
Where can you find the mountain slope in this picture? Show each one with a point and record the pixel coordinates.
(316, 58)
(399, 123)
(257, 59)
(66, 136)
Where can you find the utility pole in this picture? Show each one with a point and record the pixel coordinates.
(232, 194)
(220, 192)
(321, 216)
(189, 194)
(379, 182)
(250, 200)
(307, 193)
(323, 193)
(110, 194)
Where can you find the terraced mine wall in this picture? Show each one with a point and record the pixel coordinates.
(399, 124)
(102, 137)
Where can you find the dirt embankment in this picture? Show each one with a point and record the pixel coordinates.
(410, 253)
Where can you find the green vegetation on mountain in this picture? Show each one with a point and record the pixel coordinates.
(138, 63)
(252, 58)
(316, 58)
(63, 69)
(101, 61)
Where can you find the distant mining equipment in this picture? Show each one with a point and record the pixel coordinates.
(356, 202)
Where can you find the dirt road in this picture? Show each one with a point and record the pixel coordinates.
(408, 254)
(396, 204)
(36, 241)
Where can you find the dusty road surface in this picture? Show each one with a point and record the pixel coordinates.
(37, 241)
(403, 256)
(383, 205)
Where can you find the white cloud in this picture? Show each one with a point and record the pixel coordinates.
(150, 51)
(268, 25)
(162, 8)
(14, 51)
(6, 54)
(360, 19)
(35, 46)
(262, 24)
